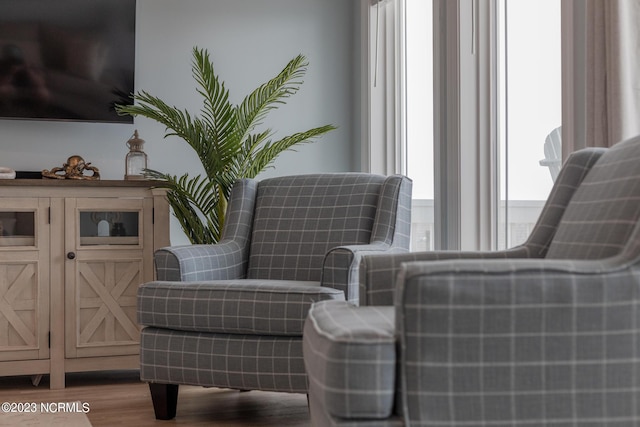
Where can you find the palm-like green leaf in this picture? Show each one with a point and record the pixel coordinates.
(256, 106)
(263, 156)
(222, 137)
(218, 116)
(190, 198)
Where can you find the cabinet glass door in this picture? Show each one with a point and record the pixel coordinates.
(17, 228)
(109, 227)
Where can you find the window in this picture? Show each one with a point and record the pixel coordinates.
(530, 113)
(474, 141)
(400, 102)
(419, 123)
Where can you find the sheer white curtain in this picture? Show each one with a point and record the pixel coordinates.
(612, 72)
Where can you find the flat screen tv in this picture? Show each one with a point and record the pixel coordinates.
(66, 59)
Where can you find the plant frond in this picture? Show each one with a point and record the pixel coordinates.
(254, 108)
(194, 201)
(251, 143)
(176, 121)
(264, 157)
(217, 110)
(218, 116)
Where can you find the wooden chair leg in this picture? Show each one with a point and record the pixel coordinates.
(165, 400)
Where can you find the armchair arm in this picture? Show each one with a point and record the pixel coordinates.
(189, 263)
(341, 266)
(378, 273)
(225, 260)
(518, 342)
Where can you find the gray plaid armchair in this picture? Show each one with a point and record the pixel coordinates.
(547, 333)
(231, 314)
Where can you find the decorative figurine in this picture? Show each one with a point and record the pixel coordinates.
(73, 169)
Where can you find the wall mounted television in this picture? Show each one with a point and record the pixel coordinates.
(69, 60)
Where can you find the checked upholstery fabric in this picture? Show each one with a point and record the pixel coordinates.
(544, 334)
(232, 314)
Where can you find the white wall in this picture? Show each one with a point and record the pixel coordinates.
(250, 41)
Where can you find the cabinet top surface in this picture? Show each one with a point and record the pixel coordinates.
(61, 183)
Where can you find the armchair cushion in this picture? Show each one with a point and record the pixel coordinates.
(254, 307)
(351, 359)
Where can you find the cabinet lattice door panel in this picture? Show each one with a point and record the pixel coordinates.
(107, 303)
(18, 306)
(24, 300)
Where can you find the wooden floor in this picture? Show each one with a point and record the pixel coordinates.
(120, 399)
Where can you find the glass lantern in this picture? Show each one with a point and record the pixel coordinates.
(136, 160)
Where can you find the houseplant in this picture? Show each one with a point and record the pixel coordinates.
(225, 138)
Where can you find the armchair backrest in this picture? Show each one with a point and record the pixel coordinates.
(297, 219)
(605, 209)
(573, 172)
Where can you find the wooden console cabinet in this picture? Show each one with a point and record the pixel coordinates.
(67, 292)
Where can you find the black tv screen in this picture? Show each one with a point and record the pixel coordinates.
(66, 59)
